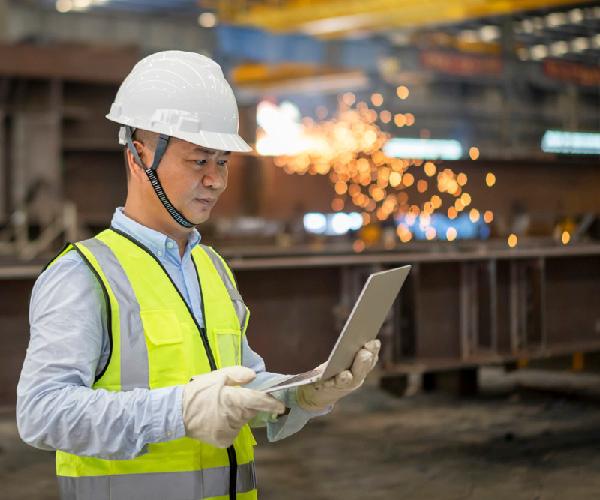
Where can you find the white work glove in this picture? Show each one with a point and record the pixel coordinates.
(319, 395)
(215, 408)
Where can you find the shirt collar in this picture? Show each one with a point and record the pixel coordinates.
(154, 240)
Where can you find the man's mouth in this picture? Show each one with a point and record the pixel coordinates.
(207, 202)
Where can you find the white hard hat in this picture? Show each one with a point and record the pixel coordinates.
(183, 95)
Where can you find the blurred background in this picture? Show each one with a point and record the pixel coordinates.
(459, 136)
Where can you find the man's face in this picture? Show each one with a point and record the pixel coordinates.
(193, 178)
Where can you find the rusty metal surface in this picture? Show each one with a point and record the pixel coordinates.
(449, 314)
(292, 323)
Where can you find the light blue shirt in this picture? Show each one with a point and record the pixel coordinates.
(57, 409)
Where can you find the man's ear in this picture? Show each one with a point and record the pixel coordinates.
(135, 169)
(142, 153)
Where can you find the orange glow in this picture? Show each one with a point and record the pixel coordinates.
(474, 215)
(429, 169)
(404, 233)
(399, 120)
(354, 189)
(377, 99)
(340, 187)
(337, 204)
(512, 240)
(490, 179)
(385, 116)
(451, 234)
(488, 216)
(348, 98)
(402, 92)
(358, 246)
(436, 201)
(473, 153)
(348, 148)
(402, 198)
(395, 179)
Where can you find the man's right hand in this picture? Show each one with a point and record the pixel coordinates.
(215, 408)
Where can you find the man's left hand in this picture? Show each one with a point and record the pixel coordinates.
(319, 395)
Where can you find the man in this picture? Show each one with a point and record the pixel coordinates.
(138, 349)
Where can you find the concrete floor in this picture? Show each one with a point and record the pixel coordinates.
(505, 444)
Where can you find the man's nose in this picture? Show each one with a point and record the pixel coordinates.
(213, 177)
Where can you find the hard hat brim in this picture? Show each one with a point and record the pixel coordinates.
(220, 141)
(216, 140)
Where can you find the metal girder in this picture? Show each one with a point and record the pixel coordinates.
(327, 17)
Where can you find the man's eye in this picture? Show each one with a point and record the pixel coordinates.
(201, 162)
(222, 163)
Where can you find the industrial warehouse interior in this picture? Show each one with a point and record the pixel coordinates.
(342, 139)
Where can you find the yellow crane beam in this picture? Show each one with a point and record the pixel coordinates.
(330, 17)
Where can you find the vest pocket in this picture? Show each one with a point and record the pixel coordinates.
(166, 353)
(229, 345)
(161, 326)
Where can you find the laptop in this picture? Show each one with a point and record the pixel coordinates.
(363, 324)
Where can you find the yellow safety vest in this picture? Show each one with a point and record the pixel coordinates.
(156, 342)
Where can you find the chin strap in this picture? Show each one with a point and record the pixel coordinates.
(161, 147)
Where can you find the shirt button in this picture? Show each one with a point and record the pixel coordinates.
(170, 244)
(159, 253)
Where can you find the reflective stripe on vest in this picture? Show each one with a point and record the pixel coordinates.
(133, 345)
(236, 298)
(156, 342)
(196, 485)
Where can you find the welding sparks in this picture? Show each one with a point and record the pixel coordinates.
(349, 147)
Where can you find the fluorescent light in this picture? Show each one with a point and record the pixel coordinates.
(340, 223)
(575, 16)
(315, 223)
(489, 33)
(335, 24)
(64, 6)
(82, 4)
(356, 221)
(527, 25)
(556, 19)
(580, 44)
(559, 48)
(332, 224)
(539, 52)
(427, 149)
(207, 20)
(581, 143)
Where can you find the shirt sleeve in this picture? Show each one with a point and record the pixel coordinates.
(57, 408)
(285, 425)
